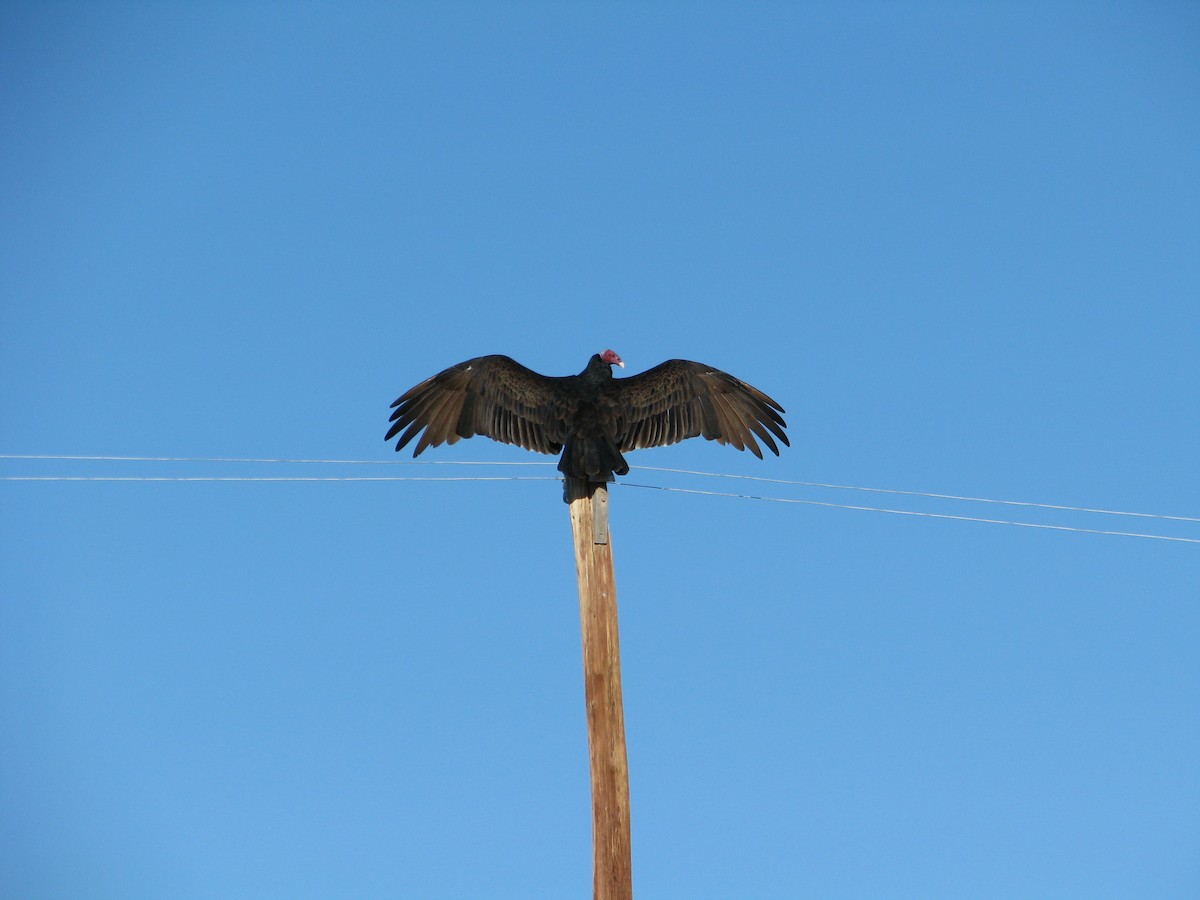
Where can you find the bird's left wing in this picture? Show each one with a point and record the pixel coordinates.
(490, 395)
(681, 399)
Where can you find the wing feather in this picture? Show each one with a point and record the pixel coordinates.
(733, 429)
(681, 399)
(490, 395)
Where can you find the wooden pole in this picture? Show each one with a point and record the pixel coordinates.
(612, 874)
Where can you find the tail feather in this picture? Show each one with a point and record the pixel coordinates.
(593, 460)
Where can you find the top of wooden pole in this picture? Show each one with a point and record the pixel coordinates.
(595, 491)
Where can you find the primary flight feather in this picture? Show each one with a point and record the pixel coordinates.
(591, 417)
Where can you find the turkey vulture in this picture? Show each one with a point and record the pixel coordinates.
(591, 417)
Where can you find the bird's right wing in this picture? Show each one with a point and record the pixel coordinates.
(490, 395)
(680, 399)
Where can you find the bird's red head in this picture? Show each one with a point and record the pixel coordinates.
(610, 357)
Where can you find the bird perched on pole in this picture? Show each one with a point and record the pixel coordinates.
(591, 417)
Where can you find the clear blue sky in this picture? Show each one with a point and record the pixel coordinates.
(960, 242)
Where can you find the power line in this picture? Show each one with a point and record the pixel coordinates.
(909, 512)
(279, 478)
(255, 460)
(848, 487)
(447, 462)
(417, 478)
(263, 460)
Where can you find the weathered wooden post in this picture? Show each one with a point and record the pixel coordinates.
(612, 877)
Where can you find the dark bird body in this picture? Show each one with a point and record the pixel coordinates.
(591, 417)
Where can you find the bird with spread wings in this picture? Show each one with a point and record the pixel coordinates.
(592, 418)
